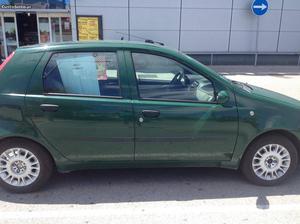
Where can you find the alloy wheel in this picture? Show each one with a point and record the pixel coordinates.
(19, 167)
(271, 162)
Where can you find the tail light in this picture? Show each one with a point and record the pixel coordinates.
(6, 61)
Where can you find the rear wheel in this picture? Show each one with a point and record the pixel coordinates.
(24, 166)
(270, 160)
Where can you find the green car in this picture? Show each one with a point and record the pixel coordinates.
(124, 104)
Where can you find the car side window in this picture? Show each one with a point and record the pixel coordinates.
(165, 79)
(94, 73)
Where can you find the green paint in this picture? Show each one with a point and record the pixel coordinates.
(94, 132)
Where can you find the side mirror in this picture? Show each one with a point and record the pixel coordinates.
(222, 97)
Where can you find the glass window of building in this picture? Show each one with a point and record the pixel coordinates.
(11, 2)
(66, 29)
(2, 52)
(55, 30)
(44, 30)
(10, 34)
(47, 4)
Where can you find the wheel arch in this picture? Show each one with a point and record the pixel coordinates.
(289, 135)
(19, 138)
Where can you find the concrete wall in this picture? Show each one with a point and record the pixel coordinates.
(198, 26)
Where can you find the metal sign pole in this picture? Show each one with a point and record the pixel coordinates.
(259, 8)
(256, 41)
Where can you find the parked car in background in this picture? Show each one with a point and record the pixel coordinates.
(108, 104)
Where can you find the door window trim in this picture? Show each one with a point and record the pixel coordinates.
(83, 95)
(180, 63)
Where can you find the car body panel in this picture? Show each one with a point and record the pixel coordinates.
(272, 112)
(15, 79)
(14, 123)
(84, 128)
(184, 131)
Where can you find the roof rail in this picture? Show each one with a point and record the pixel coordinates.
(141, 38)
(154, 42)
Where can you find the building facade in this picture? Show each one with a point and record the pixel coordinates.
(26, 22)
(214, 32)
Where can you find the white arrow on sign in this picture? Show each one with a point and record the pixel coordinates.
(261, 7)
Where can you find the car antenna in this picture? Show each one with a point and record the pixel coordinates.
(141, 38)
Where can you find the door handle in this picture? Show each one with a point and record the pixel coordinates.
(151, 113)
(49, 107)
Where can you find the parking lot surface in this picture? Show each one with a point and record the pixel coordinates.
(285, 80)
(189, 195)
(179, 195)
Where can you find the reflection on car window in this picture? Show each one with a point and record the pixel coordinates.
(163, 78)
(82, 73)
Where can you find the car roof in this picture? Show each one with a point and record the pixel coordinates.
(95, 44)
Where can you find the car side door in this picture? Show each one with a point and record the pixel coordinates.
(80, 103)
(177, 116)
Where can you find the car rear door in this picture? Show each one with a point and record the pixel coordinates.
(176, 114)
(79, 102)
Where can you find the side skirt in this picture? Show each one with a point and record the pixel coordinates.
(73, 166)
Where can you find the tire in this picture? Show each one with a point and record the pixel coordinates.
(255, 165)
(28, 164)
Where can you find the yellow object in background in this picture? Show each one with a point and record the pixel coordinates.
(88, 28)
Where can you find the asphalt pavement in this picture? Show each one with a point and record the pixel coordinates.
(178, 195)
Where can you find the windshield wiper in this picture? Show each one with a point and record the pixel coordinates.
(242, 84)
(250, 87)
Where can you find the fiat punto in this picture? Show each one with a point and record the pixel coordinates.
(109, 104)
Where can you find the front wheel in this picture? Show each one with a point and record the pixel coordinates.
(24, 166)
(269, 160)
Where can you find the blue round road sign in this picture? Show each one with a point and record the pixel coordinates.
(260, 7)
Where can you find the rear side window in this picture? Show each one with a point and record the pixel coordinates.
(94, 74)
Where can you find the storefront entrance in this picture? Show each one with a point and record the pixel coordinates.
(27, 28)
